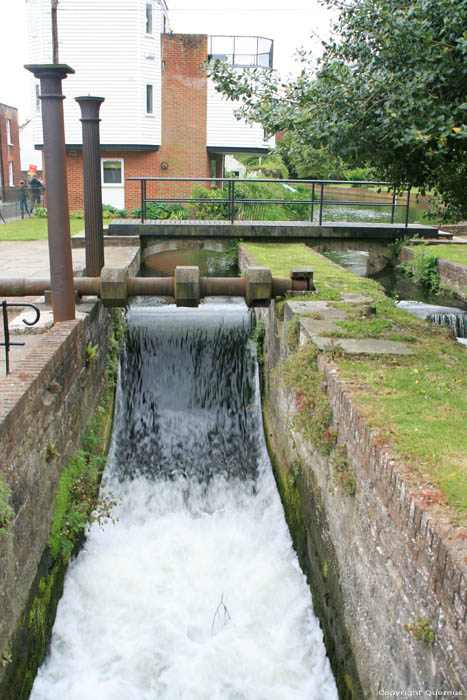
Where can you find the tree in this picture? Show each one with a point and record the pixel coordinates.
(390, 91)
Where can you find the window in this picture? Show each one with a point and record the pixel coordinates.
(36, 94)
(8, 132)
(11, 170)
(149, 18)
(149, 100)
(112, 172)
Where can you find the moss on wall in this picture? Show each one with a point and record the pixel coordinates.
(76, 499)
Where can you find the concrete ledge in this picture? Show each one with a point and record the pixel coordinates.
(266, 230)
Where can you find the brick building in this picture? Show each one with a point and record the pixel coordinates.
(162, 116)
(10, 163)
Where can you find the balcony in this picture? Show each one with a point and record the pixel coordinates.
(241, 51)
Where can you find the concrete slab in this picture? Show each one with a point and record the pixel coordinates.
(322, 318)
(31, 258)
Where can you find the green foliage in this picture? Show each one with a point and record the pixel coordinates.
(77, 503)
(40, 212)
(389, 92)
(343, 470)
(5, 658)
(51, 452)
(396, 246)
(293, 332)
(313, 414)
(211, 209)
(424, 268)
(91, 353)
(422, 630)
(258, 337)
(6, 511)
(110, 212)
(162, 210)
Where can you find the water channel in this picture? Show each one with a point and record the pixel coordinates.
(195, 591)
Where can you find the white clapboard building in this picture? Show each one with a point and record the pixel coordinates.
(161, 116)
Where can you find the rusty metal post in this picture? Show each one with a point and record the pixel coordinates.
(58, 220)
(92, 184)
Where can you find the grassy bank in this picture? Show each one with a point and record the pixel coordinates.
(417, 403)
(34, 229)
(455, 253)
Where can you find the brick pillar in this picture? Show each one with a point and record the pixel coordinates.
(184, 108)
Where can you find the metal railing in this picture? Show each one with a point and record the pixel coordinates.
(6, 331)
(233, 204)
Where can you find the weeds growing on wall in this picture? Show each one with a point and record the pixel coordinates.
(313, 414)
(258, 337)
(343, 470)
(423, 268)
(6, 511)
(77, 501)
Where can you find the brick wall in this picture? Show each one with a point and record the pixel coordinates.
(377, 560)
(182, 152)
(46, 401)
(9, 154)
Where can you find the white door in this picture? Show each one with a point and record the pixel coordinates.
(113, 183)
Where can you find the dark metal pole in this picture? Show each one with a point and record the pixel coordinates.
(312, 200)
(54, 31)
(407, 209)
(321, 200)
(393, 211)
(58, 220)
(92, 184)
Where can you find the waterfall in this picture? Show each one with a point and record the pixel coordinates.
(453, 317)
(195, 591)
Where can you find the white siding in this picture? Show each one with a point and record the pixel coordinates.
(225, 131)
(105, 42)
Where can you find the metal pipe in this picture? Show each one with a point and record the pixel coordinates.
(150, 286)
(58, 220)
(222, 286)
(94, 235)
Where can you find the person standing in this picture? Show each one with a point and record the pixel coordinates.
(23, 201)
(36, 191)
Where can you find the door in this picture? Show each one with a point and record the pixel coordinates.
(113, 183)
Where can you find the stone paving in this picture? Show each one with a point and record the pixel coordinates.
(30, 259)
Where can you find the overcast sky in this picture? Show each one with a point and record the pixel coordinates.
(291, 23)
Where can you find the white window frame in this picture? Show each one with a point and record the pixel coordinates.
(151, 113)
(11, 173)
(113, 184)
(146, 6)
(8, 132)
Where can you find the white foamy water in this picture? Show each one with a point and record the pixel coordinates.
(194, 593)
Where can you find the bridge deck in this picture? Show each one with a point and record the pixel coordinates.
(267, 230)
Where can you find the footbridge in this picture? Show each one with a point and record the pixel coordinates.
(307, 210)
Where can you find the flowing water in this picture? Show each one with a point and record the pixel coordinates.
(195, 591)
(441, 308)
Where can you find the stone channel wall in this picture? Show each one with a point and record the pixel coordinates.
(44, 406)
(376, 560)
(452, 275)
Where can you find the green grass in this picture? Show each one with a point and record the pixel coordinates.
(33, 229)
(417, 403)
(456, 253)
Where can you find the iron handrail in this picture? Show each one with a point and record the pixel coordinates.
(233, 201)
(6, 331)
